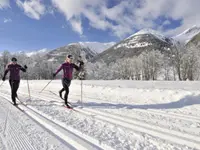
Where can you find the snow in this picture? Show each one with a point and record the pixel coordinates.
(133, 41)
(125, 115)
(51, 59)
(133, 45)
(149, 31)
(42, 51)
(188, 34)
(97, 47)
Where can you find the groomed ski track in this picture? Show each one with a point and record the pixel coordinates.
(73, 138)
(134, 123)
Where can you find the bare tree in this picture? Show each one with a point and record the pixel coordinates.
(177, 57)
(151, 64)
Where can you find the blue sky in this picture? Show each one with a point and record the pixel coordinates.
(36, 24)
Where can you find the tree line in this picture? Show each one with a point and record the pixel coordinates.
(177, 63)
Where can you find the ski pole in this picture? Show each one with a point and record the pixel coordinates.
(1, 83)
(28, 87)
(82, 92)
(45, 86)
(81, 78)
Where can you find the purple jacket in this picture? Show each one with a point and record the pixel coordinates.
(14, 71)
(67, 69)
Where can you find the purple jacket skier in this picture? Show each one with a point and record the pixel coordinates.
(14, 78)
(67, 68)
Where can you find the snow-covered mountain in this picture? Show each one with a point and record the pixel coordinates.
(135, 44)
(141, 39)
(150, 31)
(30, 53)
(42, 52)
(188, 34)
(89, 49)
(97, 47)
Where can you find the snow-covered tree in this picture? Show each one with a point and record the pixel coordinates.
(177, 53)
(190, 65)
(151, 64)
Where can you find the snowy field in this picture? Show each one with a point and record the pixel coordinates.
(122, 115)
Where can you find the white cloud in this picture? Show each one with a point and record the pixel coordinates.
(73, 10)
(77, 25)
(32, 8)
(100, 16)
(166, 22)
(4, 4)
(6, 20)
(129, 15)
(186, 11)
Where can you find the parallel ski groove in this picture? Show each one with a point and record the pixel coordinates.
(25, 138)
(95, 145)
(13, 132)
(159, 112)
(166, 134)
(181, 138)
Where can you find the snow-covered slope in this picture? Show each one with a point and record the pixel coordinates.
(134, 45)
(89, 49)
(149, 31)
(134, 41)
(42, 51)
(95, 47)
(188, 34)
(74, 49)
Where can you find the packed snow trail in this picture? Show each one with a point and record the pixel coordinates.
(19, 131)
(140, 126)
(68, 135)
(112, 125)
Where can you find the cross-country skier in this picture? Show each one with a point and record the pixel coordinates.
(14, 78)
(67, 68)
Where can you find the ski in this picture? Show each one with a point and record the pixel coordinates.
(18, 108)
(22, 103)
(70, 108)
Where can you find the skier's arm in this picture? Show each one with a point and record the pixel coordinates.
(5, 73)
(23, 68)
(78, 68)
(58, 70)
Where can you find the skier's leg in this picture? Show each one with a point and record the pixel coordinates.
(66, 95)
(12, 85)
(66, 84)
(16, 88)
(60, 92)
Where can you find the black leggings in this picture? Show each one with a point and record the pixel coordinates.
(66, 83)
(14, 84)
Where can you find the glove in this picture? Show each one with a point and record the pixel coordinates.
(81, 62)
(54, 74)
(25, 67)
(4, 78)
